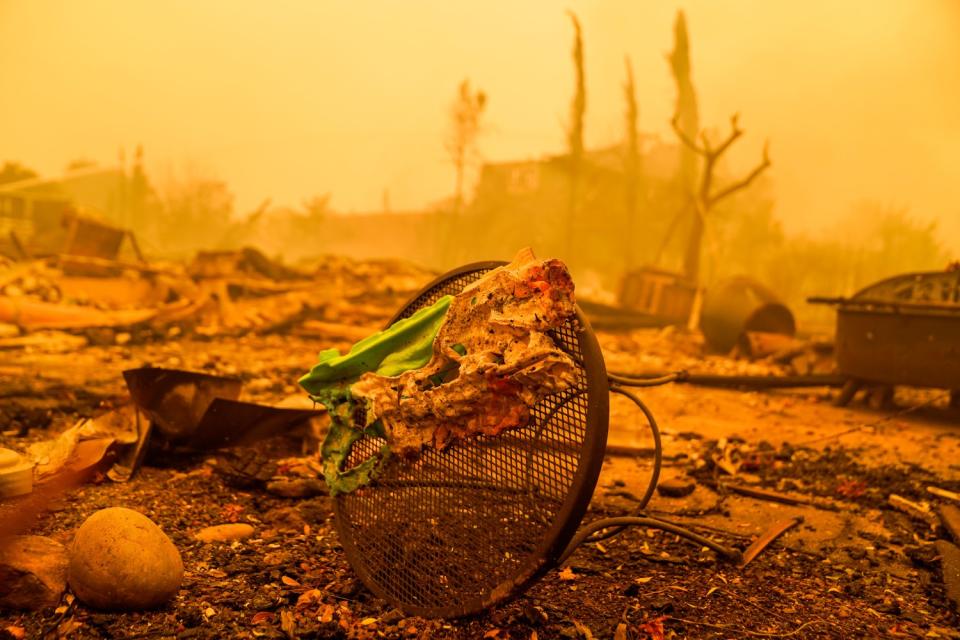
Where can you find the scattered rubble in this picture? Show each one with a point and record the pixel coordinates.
(120, 559)
(875, 568)
(219, 293)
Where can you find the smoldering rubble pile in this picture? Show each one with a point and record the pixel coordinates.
(653, 351)
(63, 302)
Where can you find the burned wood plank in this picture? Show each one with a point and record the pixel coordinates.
(950, 567)
(943, 493)
(918, 510)
(950, 517)
(762, 494)
(775, 531)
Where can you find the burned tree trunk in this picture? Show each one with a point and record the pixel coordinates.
(686, 123)
(688, 119)
(461, 143)
(631, 167)
(575, 134)
(687, 112)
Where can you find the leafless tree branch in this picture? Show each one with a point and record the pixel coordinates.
(740, 184)
(684, 138)
(735, 132)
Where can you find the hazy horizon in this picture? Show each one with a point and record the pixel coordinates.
(860, 100)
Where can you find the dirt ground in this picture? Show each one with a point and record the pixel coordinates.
(854, 567)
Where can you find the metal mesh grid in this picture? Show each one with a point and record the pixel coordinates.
(445, 531)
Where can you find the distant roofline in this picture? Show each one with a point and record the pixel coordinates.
(29, 183)
(553, 157)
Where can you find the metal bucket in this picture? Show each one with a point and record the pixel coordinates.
(738, 305)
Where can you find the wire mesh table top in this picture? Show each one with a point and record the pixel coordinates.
(473, 524)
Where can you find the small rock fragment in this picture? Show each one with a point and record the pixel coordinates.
(675, 487)
(225, 532)
(33, 572)
(120, 559)
(950, 566)
(297, 488)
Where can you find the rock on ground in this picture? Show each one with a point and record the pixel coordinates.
(120, 559)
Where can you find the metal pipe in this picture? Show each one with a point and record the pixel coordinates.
(653, 523)
(719, 380)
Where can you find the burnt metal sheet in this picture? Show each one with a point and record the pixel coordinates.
(202, 411)
(902, 330)
(228, 423)
(899, 347)
(177, 400)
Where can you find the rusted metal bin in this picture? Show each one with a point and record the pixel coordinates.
(738, 305)
(903, 330)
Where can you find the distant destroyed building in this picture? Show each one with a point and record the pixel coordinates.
(528, 202)
(81, 213)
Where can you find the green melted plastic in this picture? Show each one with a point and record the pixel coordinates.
(406, 345)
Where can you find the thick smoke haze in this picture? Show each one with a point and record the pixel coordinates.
(860, 100)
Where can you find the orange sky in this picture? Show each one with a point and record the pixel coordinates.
(861, 99)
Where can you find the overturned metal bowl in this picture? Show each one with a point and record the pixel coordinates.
(475, 524)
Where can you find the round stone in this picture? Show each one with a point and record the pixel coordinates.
(120, 560)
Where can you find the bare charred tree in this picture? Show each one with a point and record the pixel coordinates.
(686, 124)
(578, 108)
(686, 110)
(465, 126)
(706, 196)
(631, 165)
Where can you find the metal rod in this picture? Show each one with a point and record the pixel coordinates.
(719, 380)
(614, 526)
(893, 304)
(657, 461)
(644, 381)
(653, 523)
